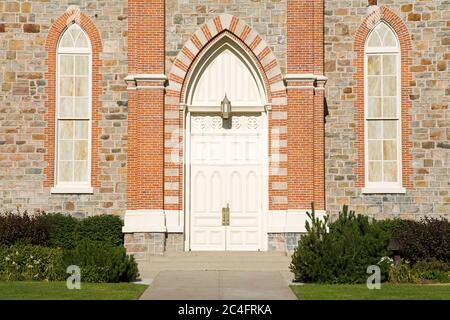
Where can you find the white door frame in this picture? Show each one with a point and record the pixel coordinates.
(263, 242)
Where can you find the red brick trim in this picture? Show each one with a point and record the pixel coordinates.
(257, 49)
(58, 27)
(248, 39)
(145, 164)
(305, 111)
(389, 17)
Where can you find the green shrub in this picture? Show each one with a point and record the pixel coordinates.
(403, 273)
(343, 253)
(30, 263)
(432, 269)
(425, 239)
(63, 231)
(106, 229)
(58, 230)
(25, 229)
(100, 262)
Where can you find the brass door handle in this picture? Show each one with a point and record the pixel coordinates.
(226, 215)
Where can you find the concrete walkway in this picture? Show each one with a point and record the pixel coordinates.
(219, 285)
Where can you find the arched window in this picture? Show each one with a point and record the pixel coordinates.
(382, 109)
(73, 111)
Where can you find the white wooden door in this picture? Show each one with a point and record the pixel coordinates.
(226, 168)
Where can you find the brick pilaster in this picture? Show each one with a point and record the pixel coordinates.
(146, 81)
(306, 180)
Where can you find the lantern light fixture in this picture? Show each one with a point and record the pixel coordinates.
(225, 107)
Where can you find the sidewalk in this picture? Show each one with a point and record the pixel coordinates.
(219, 285)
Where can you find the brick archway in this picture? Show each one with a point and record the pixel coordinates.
(240, 32)
(51, 44)
(396, 23)
(207, 35)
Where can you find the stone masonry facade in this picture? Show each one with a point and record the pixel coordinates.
(317, 155)
(24, 32)
(428, 23)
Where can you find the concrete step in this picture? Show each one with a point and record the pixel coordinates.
(215, 261)
(230, 259)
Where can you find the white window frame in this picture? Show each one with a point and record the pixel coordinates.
(73, 187)
(383, 187)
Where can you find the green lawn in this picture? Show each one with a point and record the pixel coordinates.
(18, 290)
(360, 292)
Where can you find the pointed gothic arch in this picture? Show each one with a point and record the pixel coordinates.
(229, 29)
(57, 29)
(388, 17)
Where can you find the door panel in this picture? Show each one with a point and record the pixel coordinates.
(226, 168)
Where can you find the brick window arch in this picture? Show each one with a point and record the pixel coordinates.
(382, 116)
(73, 40)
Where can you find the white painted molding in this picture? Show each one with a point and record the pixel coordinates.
(218, 109)
(152, 77)
(304, 77)
(280, 221)
(171, 221)
(133, 80)
(387, 190)
(72, 190)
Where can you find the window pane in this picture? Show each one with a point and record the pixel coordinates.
(374, 84)
(389, 150)
(81, 108)
(389, 39)
(375, 150)
(65, 129)
(82, 41)
(374, 65)
(66, 65)
(374, 40)
(81, 129)
(66, 86)
(66, 150)
(375, 174)
(74, 31)
(390, 107)
(81, 150)
(82, 65)
(389, 65)
(65, 107)
(65, 171)
(81, 87)
(390, 171)
(81, 171)
(374, 129)
(390, 86)
(374, 107)
(66, 41)
(390, 129)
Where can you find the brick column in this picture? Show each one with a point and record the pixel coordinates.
(305, 82)
(146, 82)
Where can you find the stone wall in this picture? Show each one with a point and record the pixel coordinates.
(144, 245)
(283, 242)
(428, 23)
(267, 17)
(24, 26)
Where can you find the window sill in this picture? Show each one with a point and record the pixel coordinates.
(387, 190)
(72, 190)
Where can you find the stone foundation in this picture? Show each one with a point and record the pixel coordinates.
(144, 245)
(285, 242)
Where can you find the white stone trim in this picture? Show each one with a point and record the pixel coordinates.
(282, 221)
(384, 190)
(133, 80)
(72, 190)
(304, 77)
(171, 221)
